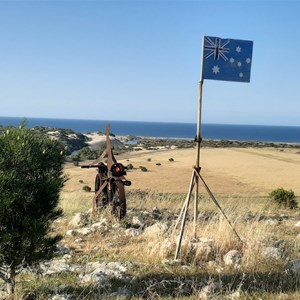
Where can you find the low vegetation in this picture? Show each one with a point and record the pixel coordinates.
(284, 198)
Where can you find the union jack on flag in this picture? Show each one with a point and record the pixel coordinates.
(226, 59)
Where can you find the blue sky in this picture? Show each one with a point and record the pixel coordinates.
(141, 60)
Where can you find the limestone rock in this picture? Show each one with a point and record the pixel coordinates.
(80, 219)
(133, 232)
(294, 266)
(137, 222)
(85, 231)
(297, 224)
(203, 249)
(62, 249)
(272, 253)
(71, 232)
(55, 266)
(103, 272)
(156, 230)
(232, 258)
(209, 291)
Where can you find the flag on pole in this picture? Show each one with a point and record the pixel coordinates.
(226, 59)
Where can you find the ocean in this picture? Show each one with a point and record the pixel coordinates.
(286, 134)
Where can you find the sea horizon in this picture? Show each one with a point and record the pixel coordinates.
(243, 132)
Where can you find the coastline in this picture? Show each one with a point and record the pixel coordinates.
(96, 138)
(267, 133)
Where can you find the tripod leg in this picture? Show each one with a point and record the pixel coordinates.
(218, 205)
(196, 200)
(184, 215)
(192, 183)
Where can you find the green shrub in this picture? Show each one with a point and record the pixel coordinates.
(31, 178)
(143, 169)
(171, 159)
(284, 198)
(129, 167)
(87, 188)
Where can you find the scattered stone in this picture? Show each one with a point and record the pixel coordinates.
(297, 224)
(71, 232)
(272, 253)
(85, 231)
(273, 222)
(116, 226)
(4, 295)
(122, 293)
(100, 225)
(80, 240)
(29, 296)
(67, 257)
(133, 231)
(80, 219)
(234, 296)
(233, 258)
(171, 262)
(102, 273)
(54, 266)
(62, 249)
(156, 230)
(209, 291)
(203, 249)
(59, 297)
(294, 267)
(137, 222)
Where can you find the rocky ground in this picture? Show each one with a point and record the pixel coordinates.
(204, 272)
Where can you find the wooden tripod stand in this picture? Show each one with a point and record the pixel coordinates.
(196, 178)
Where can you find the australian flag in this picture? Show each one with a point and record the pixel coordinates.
(226, 59)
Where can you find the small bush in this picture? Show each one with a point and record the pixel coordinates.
(80, 181)
(143, 169)
(148, 159)
(171, 159)
(129, 167)
(87, 188)
(158, 164)
(284, 198)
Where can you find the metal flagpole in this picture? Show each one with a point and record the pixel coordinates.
(197, 166)
(196, 178)
(198, 140)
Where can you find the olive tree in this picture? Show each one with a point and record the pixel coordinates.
(31, 177)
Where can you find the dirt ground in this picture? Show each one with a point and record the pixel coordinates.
(226, 170)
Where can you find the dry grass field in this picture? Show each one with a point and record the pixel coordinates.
(230, 171)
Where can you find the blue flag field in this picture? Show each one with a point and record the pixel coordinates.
(226, 59)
